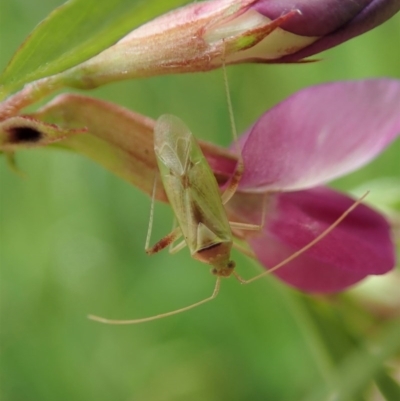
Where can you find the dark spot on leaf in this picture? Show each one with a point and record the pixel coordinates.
(24, 134)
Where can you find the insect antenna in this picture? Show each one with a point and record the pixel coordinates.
(306, 247)
(237, 175)
(161, 316)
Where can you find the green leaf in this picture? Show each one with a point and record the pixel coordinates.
(389, 388)
(360, 368)
(75, 32)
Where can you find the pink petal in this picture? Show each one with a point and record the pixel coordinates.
(317, 18)
(361, 244)
(320, 133)
(371, 16)
(335, 21)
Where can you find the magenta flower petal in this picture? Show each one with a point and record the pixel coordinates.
(335, 21)
(360, 246)
(320, 133)
(323, 17)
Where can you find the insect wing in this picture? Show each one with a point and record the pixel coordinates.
(190, 185)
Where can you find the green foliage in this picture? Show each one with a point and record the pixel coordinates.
(72, 239)
(365, 362)
(74, 32)
(389, 387)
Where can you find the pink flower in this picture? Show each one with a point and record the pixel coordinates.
(312, 137)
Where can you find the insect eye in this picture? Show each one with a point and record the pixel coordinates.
(231, 264)
(214, 270)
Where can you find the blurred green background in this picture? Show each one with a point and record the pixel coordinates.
(72, 243)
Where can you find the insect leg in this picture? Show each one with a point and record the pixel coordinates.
(245, 226)
(151, 218)
(246, 251)
(156, 317)
(177, 248)
(165, 241)
(308, 246)
(251, 227)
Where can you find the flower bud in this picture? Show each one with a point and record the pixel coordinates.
(205, 35)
